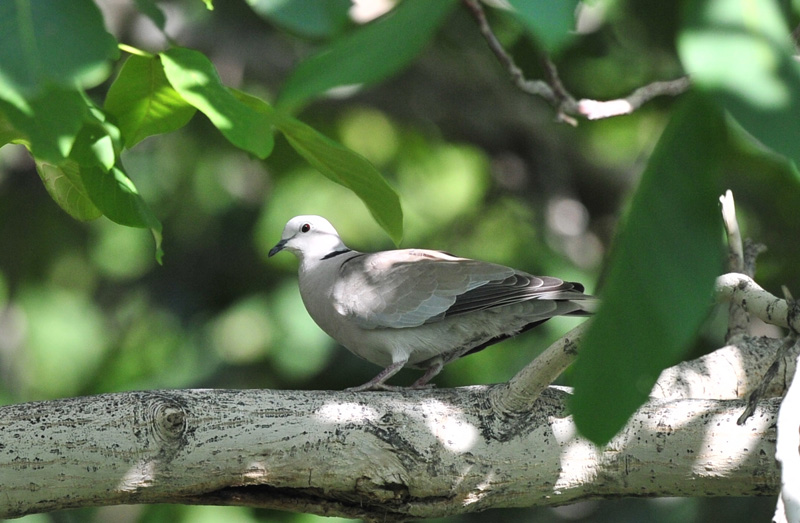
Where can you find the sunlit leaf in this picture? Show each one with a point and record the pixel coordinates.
(93, 145)
(368, 54)
(65, 185)
(659, 285)
(349, 169)
(310, 18)
(193, 75)
(44, 42)
(51, 123)
(551, 22)
(143, 101)
(741, 53)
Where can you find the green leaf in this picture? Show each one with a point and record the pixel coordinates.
(50, 124)
(116, 196)
(309, 18)
(741, 53)
(65, 185)
(143, 101)
(551, 22)
(44, 42)
(8, 133)
(349, 169)
(94, 145)
(658, 290)
(193, 75)
(368, 54)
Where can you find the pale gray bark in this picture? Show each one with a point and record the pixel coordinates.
(387, 455)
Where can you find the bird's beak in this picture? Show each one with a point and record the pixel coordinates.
(278, 248)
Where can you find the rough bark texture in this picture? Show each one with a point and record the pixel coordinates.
(374, 455)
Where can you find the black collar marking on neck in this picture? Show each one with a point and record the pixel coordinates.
(336, 253)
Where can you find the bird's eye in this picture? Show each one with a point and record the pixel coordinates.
(305, 227)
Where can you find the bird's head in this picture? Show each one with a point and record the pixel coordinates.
(309, 237)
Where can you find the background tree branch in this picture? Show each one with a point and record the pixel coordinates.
(553, 90)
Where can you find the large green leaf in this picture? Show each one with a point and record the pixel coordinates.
(551, 22)
(143, 101)
(50, 124)
(193, 75)
(310, 18)
(94, 145)
(349, 169)
(659, 284)
(369, 54)
(45, 42)
(65, 185)
(741, 53)
(115, 194)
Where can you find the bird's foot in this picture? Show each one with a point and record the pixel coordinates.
(390, 388)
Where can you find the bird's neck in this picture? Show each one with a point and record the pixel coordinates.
(325, 260)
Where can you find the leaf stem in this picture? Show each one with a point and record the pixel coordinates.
(125, 48)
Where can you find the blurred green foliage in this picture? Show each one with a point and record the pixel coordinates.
(482, 170)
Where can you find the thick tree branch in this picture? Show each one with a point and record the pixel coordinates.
(745, 365)
(391, 456)
(554, 92)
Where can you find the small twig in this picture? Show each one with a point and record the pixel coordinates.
(595, 109)
(522, 390)
(758, 392)
(738, 319)
(567, 102)
(557, 95)
(735, 249)
(535, 87)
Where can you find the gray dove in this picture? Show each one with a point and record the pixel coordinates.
(414, 307)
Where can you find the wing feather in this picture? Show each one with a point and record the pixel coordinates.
(408, 288)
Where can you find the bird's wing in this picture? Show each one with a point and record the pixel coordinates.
(516, 288)
(408, 288)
